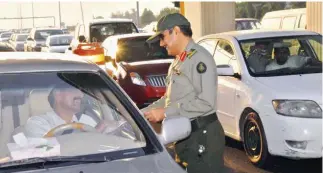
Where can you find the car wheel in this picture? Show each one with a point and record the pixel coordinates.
(255, 143)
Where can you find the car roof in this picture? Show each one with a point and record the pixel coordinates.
(261, 33)
(60, 35)
(279, 13)
(243, 19)
(110, 20)
(121, 36)
(21, 34)
(15, 62)
(46, 28)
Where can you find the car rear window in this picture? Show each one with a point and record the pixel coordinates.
(137, 49)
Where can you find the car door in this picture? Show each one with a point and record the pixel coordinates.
(226, 95)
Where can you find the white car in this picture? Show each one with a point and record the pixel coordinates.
(274, 108)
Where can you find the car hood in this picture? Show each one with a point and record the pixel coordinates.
(306, 86)
(156, 163)
(145, 68)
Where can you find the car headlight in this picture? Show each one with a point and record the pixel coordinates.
(298, 108)
(136, 79)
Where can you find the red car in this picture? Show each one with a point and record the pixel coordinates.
(138, 67)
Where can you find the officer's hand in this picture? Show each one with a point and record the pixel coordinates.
(155, 115)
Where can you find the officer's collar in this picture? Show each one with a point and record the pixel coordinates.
(190, 45)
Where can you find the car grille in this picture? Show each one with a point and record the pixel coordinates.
(157, 80)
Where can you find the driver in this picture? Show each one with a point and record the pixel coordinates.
(65, 102)
(284, 60)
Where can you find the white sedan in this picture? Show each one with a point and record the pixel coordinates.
(270, 91)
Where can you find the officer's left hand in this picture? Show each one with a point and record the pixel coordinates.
(155, 115)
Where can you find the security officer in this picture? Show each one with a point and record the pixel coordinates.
(191, 92)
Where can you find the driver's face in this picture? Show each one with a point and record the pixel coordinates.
(281, 56)
(70, 99)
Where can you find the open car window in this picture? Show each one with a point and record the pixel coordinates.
(283, 55)
(36, 107)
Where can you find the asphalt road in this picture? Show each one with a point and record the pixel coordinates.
(237, 162)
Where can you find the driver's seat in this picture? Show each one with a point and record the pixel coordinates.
(38, 105)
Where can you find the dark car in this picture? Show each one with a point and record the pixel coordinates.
(139, 68)
(4, 47)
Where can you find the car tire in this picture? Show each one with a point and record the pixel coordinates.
(254, 141)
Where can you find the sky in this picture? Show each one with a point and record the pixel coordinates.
(70, 11)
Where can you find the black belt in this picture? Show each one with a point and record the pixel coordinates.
(203, 121)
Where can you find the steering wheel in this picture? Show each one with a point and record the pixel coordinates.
(59, 130)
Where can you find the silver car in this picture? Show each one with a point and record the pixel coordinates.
(57, 43)
(128, 143)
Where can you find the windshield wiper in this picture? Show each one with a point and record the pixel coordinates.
(43, 162)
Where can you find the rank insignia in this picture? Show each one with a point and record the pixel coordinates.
(191, 53)
(201, 67)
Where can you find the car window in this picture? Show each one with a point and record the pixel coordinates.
(137, 49)
(302, 23)
(289, 22)
(271, 23)
(6, 35)
(317, 47)
(21, 37)
(99, 32)
(60, 41)
(209, 45)
(38, 109)
(43, 34)
(223, 53)
(283, 55)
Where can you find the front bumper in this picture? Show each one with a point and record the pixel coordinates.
(293, 137)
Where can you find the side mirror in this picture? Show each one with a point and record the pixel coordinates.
(69, 48)
(29, 39)
(226, 70)
(175, 129)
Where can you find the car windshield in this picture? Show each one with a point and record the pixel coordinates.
(137, 49)
(100, 32)
(6, 35)
(60, 40)
(43, 34)
(283, 55)
(22, 37)
(63, 114)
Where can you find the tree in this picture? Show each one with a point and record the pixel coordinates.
(166, 11)
(259, 9)
(147, 17)
(126, 15)
(298, 4)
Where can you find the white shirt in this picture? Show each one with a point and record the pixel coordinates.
(292, 62)
(38, 126)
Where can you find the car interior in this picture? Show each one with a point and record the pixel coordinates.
(18, 105)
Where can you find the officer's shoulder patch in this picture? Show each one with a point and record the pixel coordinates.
(201, 67)
(191, 53)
